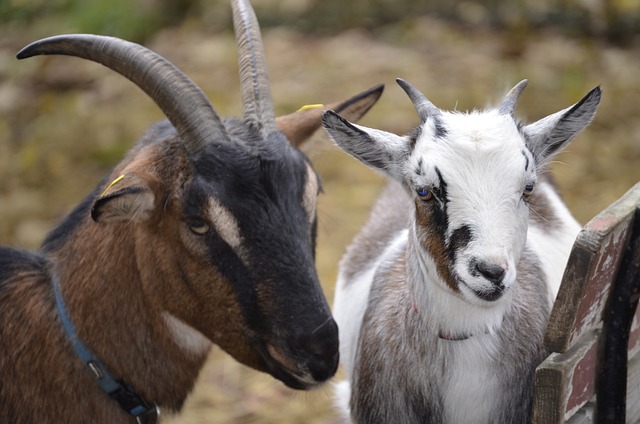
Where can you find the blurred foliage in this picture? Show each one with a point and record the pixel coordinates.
(618, 21)
(132, 20)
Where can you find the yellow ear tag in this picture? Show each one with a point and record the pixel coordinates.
(114, 182)
(307, 107)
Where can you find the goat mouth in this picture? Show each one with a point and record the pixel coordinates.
(285, 369)
(490, 295)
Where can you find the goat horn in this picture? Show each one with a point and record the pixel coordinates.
(423, 106)
(179, 98)
(254, 78)
(508, 106)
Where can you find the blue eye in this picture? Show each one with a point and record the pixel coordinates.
(424, 193)
(528, 189)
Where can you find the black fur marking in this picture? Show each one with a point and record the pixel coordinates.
(14, 261)
(440, 130)
(440, 215)
(526, 158)
(418, 170)
(441, 190)
(459, 239)
(414, 135)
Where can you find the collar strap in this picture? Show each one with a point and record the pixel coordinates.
(443, 334)
(454, 337)
(129, 400)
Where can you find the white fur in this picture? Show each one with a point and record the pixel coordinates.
(554, 253)
(350, 303)
(189, 339)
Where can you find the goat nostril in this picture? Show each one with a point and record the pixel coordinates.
(322, 342)
(321, 349)
(491, 271)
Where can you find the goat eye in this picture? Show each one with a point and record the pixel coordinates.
(199, 227)
(424, 193)
(528, 189)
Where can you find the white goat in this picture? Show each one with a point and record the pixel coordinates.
(443, 298)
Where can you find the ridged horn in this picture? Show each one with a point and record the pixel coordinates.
(179, 98)
(508, 106)
(423, 106)
(254, 78)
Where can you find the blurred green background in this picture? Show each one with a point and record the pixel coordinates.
(65, 122)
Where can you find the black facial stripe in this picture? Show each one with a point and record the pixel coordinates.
(459, 239)
(235, 271)
(440, 215)
(441, 190)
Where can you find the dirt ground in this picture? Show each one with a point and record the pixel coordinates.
(64, 122)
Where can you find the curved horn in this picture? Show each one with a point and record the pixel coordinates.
(508, 106)
(254, 78)
(181, 100)
(423, 106)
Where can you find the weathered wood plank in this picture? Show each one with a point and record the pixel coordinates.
(586, 415)
(633, 390)
(591, 269)
(618, 318)
(565, 385)
(565, 382)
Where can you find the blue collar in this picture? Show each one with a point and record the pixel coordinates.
(129, 400)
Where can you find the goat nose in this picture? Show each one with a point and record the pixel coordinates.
(491, 271)
(321, 347)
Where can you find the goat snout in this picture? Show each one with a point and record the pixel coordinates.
(491, 271)
(309, 359)
(321, 349)
(494, 272)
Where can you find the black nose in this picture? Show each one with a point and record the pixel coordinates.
(491, 271)
(320, 346)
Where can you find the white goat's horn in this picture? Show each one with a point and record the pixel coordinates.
(179, 98)
(423, 106)
(508, 106)
(254, 78)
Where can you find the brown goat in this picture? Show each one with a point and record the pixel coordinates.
(204, 233)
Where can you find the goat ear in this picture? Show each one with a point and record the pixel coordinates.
(378, 149)
(126, 198)
(551, 134)
(302, 124)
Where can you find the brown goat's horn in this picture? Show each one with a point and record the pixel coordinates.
(508, 106)
(254, 78)
(184, 104)
(423, 106)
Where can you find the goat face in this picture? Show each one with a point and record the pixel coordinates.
(471, 176)
(471, 184)
(253, 217)
(228, 246)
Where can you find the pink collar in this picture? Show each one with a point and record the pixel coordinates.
(442, 334)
